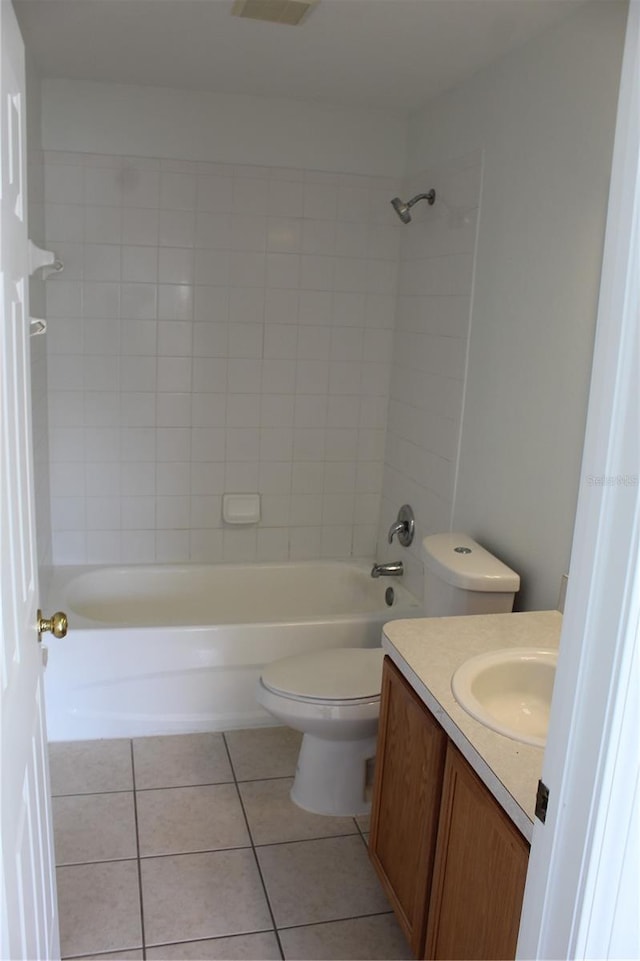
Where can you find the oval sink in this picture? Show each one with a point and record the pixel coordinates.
(509, 691)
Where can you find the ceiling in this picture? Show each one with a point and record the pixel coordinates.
(386, 54)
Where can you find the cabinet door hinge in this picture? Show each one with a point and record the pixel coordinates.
(542, 800)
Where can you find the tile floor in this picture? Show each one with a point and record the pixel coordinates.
(189, 847)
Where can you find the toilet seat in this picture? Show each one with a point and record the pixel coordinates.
(335, 676)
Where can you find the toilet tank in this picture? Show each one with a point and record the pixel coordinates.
(461, 577)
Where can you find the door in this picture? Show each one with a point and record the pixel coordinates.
(29, 911)
(406, 802)
(479, 874)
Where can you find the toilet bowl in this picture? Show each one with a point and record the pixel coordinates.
(333, 698)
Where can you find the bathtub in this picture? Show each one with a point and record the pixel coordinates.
(178, 649)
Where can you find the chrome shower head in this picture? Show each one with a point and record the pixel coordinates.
(403, 209)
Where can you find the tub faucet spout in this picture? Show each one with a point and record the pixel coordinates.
(392, 569)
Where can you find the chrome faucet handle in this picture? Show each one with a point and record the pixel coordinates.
(396, 528)
(404, 526)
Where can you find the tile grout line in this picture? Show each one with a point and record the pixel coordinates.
(353, 917)
(253, 848)
(138, 860)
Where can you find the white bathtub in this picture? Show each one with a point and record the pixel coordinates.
(175, 649)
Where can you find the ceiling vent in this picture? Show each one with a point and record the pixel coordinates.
(290, 12)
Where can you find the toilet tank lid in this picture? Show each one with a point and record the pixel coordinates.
(462, 562)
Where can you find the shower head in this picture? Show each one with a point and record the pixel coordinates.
(403, 209)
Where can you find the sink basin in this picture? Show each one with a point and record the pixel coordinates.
(509, 691)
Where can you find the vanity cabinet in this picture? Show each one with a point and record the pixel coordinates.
(406, 802)
(450, 860)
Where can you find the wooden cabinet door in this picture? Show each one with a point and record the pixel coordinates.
(406, 802)
(479, 873)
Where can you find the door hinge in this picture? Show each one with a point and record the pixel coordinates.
(542, 800)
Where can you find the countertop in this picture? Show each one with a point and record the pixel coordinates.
(428, 651)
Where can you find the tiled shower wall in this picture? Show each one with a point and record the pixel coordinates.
(430, 356)
(216, 329)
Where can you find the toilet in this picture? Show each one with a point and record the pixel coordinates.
(333, 696)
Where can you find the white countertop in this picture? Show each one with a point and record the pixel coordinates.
(429, 650)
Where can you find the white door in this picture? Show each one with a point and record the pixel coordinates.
(29, 909)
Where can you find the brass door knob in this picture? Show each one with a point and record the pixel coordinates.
(57, 624)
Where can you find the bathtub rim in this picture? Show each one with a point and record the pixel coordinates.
(60, 577)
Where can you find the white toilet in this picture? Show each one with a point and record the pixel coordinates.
(333, 696)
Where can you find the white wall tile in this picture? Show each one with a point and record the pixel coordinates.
(65, 222)
(103, 547)
(175, 302)
(246, 305)
(101, 262)
(285, 199)
(101, 299)
(315, 307)
(249, 196)
(214, 194)
(63, 183)
(175, 338)
(177, 228)
(239, 545)
(138, 373)
(212, 267)
(177, 191)
(140, 188)
(175, 265)
(248, 232)
(284, 234)
(206, 546)
(173, 410)
(137, 409)
(138, 547)
(102, 225)
(320, 201)
(140, 226)
(102, 187)
(173, 478)
(275, 478)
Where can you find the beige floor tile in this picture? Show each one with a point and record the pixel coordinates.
(99, 908)
(90, 767)
(364, 822)
(273, 817)
(182, 819)
(94, 827)
(192, 896)
(326, 880)
(264, 752)
(359, 939)
(180, 760)
(242, 947)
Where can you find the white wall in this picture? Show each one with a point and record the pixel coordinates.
(220, 128)
(544, 118)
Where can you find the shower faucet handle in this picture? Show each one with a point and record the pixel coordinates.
(404, 527)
